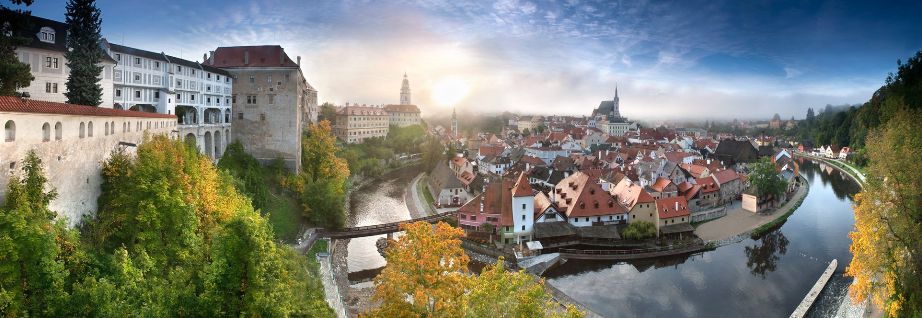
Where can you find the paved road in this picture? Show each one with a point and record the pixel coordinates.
(415, 203)
(739, 221)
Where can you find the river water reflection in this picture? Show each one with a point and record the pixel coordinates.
(763, 277)
(380, 201)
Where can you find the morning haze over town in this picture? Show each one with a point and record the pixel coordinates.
(510, 158)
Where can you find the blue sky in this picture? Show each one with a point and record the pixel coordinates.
(699, 59)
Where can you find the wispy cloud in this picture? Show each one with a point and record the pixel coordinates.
(671, 59)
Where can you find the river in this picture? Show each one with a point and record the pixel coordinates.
(763, 277)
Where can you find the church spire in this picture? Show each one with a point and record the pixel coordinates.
(405, 91)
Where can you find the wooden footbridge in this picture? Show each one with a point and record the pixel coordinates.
(386, 228)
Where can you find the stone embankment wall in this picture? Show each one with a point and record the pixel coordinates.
(72, 149)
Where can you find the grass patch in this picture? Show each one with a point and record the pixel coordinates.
(423, 186)
(767, 227)
(284, 212)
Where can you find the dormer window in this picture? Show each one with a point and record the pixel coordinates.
(46, 34)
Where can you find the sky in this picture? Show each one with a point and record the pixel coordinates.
(670, 60)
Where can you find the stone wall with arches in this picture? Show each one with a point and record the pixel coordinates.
(72, 143)
(211, 140)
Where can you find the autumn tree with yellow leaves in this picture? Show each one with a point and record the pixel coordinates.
(887, 241)
(427, 276)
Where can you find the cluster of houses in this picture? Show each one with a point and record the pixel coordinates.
(577, 181)
(828, 151)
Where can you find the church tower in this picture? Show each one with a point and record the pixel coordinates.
(405, 91)
(454, 123)
(614, 111)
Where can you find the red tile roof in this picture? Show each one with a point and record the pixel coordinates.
(522, 188)
(18, 105)
(661, 184)
(708, 185)
(672, 207)
(629, 193)
(579, 195)
(259, 56)
(402, 108)
(726, 175)
(361, 110)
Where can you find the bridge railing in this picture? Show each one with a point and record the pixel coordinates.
(388, 226)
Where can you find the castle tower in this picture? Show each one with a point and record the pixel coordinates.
(454, 123)
(405, 91)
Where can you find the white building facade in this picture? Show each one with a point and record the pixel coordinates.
(199, 95)
(45, 57)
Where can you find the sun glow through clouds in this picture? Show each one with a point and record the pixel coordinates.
(449, 91)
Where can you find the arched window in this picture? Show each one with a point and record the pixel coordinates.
(10, 128)
(46, 132)
(105, 129)
(58, 131)
(112, 128)
(89, 129)
(82, 129)
(124, 127)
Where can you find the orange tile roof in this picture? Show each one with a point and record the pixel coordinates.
(708, 184)
(18, 105)
(725, 175)
(672, 207)
(522, 188)
(660, 184)
(579, 195)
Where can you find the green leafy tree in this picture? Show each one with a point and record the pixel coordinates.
(321, 185)
(765, 180)
(498, 293)
(639, 230)
(32, 272)
(247, 170)
(328, 112)
(83, 53)
(13, 73)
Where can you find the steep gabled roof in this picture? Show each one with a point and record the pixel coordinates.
(672, 207)
(522, 188)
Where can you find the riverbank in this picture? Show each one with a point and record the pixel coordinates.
(846, 168)
(741, 223)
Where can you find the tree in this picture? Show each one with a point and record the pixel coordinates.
(247, 171)
(433, 153)
(639, 230)
(497, 293)
(328, 113)
(321, 185)
(13, 73)
(426, 273)
(887, 240)
(765, 179)
(32, 272)
(427, 276)
(83, 53)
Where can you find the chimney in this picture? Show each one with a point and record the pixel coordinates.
(210, 57)
(246, 57)
(677, 205)
(204, 58)
(282, 56)
(299, 61)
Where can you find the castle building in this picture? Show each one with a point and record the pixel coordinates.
(356, 123)
(609, 119)
(271, 101)
(404, 114)
(45, 57)
(199, 95)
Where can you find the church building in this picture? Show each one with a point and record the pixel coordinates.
(608, 117)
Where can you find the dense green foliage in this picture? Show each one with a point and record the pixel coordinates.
(374, 155)
(321, 184)
(83, 53)
(172, 237)
(248, 173)
(13, 73)
(639, 230)
(327, 112)
(765, 180)
(850, 126)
